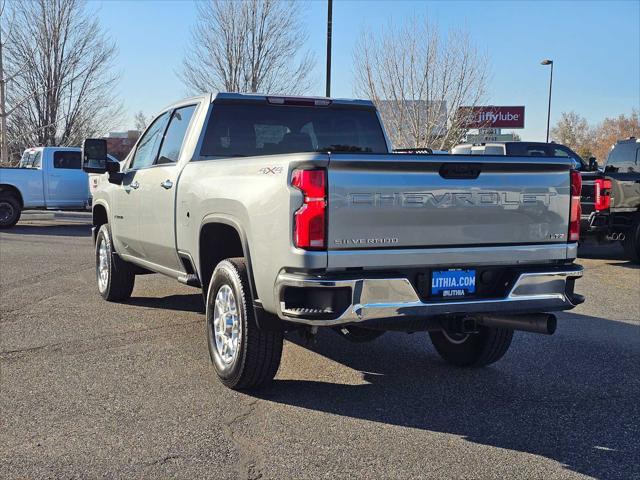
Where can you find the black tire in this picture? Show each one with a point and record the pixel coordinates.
(254, 358)
(10, 210)
(120, 276)
(631, 242)
(472, 350)
(357, 334)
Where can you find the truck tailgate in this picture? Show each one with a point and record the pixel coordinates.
(403, 201)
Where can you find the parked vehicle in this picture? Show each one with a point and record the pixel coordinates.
(293, 213)
(593, 194)
(46, 178)
(618, 194)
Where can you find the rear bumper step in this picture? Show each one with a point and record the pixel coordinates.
(360, 300)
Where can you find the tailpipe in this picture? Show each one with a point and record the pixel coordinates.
(544, 323)
(615, 236)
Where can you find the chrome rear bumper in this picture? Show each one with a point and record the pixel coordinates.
(383, 298)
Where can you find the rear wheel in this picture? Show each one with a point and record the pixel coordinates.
(243, 355)
(9, 210)
(472, 349)
(631, 242)
(115, 276)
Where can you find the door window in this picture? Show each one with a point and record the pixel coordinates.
(67, 160)
(561, 152)
(172, 143)
(536, 151)
(148, 145)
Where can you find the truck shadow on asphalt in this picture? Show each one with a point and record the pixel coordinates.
(58, 230)
(183, 303)
(572, 397)
(613, 252)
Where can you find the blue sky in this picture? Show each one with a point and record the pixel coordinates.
(595, 46)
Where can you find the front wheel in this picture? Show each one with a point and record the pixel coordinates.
(472, 349)
(115, 276)
(243, 355)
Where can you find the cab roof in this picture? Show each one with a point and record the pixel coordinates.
(222, 97)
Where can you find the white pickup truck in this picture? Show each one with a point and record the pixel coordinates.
(46, 178)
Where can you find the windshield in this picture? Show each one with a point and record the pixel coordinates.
(260, 129)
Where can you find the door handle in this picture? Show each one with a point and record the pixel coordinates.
(167, 184)
(134, 184)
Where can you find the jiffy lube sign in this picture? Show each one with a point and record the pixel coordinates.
(492, 117)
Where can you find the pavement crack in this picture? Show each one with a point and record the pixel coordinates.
(165, 459)
(251, 461)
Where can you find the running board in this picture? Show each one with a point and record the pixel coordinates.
(191, 280)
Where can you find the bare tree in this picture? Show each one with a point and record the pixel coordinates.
(6, 28)
(574, 131)
(248, 46)
(140, 121)
(419, 79)
(61, 63)
(613, 129)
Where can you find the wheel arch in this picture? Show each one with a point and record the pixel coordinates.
(13, 190)
(220, 237)
(100, 216)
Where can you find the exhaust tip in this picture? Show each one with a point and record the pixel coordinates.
(552, 324)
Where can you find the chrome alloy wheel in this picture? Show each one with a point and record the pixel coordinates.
(103, 265)
(226, 324)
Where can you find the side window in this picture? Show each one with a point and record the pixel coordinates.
(148, 145)
(561, 152)
(67, 160)
(536, 151)
(172, 143)
(558, 152)
(37, 160)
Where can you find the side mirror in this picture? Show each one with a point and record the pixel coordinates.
(593, 164)
(94, 155)
(113, 167)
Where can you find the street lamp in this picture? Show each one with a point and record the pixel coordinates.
(548, 62)
(329, 28)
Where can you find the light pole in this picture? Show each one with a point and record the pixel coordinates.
(329, 29)
(549, 62)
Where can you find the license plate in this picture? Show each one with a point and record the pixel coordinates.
(453, 283)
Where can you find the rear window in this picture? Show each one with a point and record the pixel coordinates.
(68, 160)
(256, 129)
(622, 158)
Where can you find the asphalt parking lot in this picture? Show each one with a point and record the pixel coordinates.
(92, 389)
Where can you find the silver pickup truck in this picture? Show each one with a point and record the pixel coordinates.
(292, 213)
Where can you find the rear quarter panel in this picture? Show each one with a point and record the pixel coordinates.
(28, 181)
(254, 195)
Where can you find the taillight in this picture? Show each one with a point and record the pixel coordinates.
(603, 194)
(309, 220)
(575, 209)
